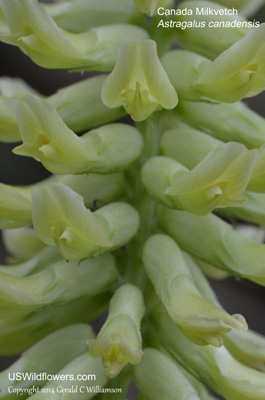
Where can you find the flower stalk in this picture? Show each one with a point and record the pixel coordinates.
(140, 158)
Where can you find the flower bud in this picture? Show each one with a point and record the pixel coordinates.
(58, 283)
(238, 72)
(218, 180)
(20, 332)
(48, 356)
(200, 320)
(214, 366)
(158, 377)
(10, 87)
(62, 388)
(60, 218)
(9, 130)
(79, 105)
(95, 189)
(245, 7)
(46, 138)
(227, 122)
(139, 82)
(150, 7)
(184, 68)
(15, 207)
(15, 202)
(50, 47)
(187, 145)
(22, 243)
(248, 347)
(215, 241)
(199, 279)
(46, 256)
(212, 34)
(79, 15)
(119, 341)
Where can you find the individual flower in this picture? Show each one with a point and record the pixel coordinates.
(159, 377)
(81, 366)
(9, 130)
(200, 320)
(20, 332)
(58, 283)
(37, 35)
(61, 218)
(187, 145)
(139, 82)
(227, 122)
(10, 87)
(96, 190)
(191, 146)
(218, 180)
(237, 72)
(184, 68)
(213, 33)
(80, 105)
(248, 347)
(216, 242)
(214, 366)
(119, 341)
(47, 139)
(46, 256)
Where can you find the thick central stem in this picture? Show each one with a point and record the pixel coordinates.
(151, 131)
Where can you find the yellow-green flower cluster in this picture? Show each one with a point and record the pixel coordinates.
(140, 157)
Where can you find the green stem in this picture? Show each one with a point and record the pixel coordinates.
(151, 131)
